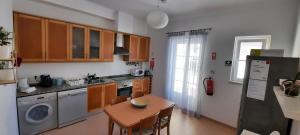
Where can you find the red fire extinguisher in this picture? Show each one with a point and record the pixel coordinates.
(208, 86)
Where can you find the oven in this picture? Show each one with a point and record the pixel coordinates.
(125, 91)
(124, 87)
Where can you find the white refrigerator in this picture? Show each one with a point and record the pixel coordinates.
(8, 110)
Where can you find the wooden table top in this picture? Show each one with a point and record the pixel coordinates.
(127, 116)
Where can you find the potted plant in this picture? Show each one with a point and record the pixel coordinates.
(5, 44)
(293, 88)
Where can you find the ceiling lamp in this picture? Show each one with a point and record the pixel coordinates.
(158, 19)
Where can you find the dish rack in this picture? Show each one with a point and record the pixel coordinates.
(75, 81)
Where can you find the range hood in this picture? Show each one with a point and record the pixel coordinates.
(119, 45)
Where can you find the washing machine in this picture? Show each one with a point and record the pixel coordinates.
(37, 113)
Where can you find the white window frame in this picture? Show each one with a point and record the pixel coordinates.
(266, 39)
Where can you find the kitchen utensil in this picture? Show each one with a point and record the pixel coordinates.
(23, 84)
(45, 81)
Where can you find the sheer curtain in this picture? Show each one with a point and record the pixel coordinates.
(184, 81)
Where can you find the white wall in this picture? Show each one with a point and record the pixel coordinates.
(8, 107)
(158, 51)
(130, 24)
(296, 49)
(277, 19)
(47, 10)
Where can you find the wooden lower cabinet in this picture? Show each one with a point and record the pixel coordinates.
(146, 85)
(95, 100)
(110, 92)
(100, 96)
(142, 85)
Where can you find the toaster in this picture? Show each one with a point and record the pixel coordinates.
(137, 72)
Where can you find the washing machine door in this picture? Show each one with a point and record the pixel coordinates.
(38, 113)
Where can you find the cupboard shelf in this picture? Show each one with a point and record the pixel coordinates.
(7, 81)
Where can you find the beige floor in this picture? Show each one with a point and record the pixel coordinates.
(181, 124)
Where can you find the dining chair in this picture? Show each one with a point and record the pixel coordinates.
(164, 119)
(147, 126)
(137, 94)
(116, 100)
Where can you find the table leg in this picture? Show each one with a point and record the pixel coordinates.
(129, 131)
(110, 126)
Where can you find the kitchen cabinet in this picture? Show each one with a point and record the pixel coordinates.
(138, 48)
(131, 43)
(141, 85)
(30, 37)
(108, 41)
(101, 95)
(146, 85)
(94, 44)
(57, 41)
(78, 42)
(143, 49)
(110, 92)
(95, 99)
(40, 39)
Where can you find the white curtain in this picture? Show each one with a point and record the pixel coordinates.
(185, 57)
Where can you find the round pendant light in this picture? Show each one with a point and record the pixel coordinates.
(157, 19)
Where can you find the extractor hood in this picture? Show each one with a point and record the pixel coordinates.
(119, 46)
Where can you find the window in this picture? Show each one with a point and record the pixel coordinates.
(242, 48)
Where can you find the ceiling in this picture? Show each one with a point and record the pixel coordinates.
(141, 8)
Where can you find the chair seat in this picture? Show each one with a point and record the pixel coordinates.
(144, 132)
(163, 121)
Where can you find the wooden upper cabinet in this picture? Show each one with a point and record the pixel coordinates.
(78, 45)
(95, 97)
(108, 41)
(133, 48)
(143, 49)
(94, 44)
(110, 92)
(57, 41)
(30, 37)
(138, 48)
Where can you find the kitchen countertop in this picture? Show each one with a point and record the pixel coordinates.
(65, 87)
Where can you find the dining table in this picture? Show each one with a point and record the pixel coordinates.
(127, 116)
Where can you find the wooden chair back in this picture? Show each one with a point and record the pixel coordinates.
(149, 123)
(118, 99)
(137, 94)
(166, 112)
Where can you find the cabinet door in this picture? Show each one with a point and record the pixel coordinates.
(94, 44)
(30, 37)
(143, 49)
(108, 40)
(78, 43)
(110, 92)
(133, 48)
(137, 85)
(94, 97)
(146, 85)
(57, 41)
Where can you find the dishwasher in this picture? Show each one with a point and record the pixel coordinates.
(72, 106)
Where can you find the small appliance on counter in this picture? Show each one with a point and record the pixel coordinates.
(137, 72)
(45, 81)
(23, 86)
